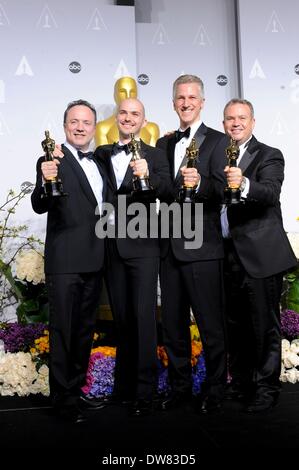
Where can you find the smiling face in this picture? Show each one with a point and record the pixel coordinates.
(188, 103)
(238, 122)
(79, 127)
(130, 118)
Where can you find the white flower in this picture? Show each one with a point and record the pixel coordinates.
(285, 345)
(30, 266)
(292, 375)
(289, 361)
(294, 241)
(18, 374)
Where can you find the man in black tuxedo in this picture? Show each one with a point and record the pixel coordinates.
(193, 277)
(257, 253)
(133, 263)
(74, 256)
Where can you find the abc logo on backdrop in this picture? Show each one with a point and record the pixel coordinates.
(75, 67)
(222, 80)
(143, 79)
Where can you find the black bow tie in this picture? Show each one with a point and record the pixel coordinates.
(116, 148)
(180, 134)
(88, 155)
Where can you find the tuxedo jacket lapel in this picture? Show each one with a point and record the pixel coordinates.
(83, 181)
(127, 178)
(249, 155)
(171, 150)
(246, 159)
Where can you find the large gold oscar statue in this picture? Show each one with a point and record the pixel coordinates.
(107, 132)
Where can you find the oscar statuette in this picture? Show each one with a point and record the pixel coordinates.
(52, 186)
(141, 184)
(232, 193)
(187, 191)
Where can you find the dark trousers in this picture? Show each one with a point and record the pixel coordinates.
(73, 300)
(199, 285)
(253, 322)
(132, 289)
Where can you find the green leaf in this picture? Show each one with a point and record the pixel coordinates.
(293, 296)
(6, 271)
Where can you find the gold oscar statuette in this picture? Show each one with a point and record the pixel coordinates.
(52, 187)
(141, 184)
(187, 191)
(232, 193)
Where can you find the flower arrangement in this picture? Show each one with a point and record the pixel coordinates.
(19, 374)
(289, 324)
(30, 266)
(100, 374)
(24, 370)
(23, 363)
(23, 337)
(290, 361)
(290, 297)
(21, 266)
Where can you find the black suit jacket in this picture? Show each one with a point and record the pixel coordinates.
(160, 180)
(71, 243)
(208, 140)
(256, 226)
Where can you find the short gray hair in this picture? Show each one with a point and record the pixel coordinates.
(239, 101)
(188, 79)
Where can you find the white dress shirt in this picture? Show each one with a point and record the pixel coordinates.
(92, 173)
(120, 163)
(181, 146)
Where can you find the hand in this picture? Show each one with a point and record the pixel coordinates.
(168, 133)
(50, 169)
(234, 176)
(139, 167)
(57, 151)
(191, 176)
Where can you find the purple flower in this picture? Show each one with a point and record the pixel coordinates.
(198, 374)
(289, 324)
(20, 337)
(100, 375)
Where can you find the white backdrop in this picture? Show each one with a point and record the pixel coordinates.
(57, 51)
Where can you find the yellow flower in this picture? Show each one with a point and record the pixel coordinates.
(42, 344)
(162, 355)
(106, 350)
(196, 349)
(194, 332)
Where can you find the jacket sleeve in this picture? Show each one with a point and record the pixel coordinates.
(40, 205)
(159, 174)
(266, 187)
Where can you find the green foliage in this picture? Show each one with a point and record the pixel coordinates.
(292, 291)
(29, 300)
